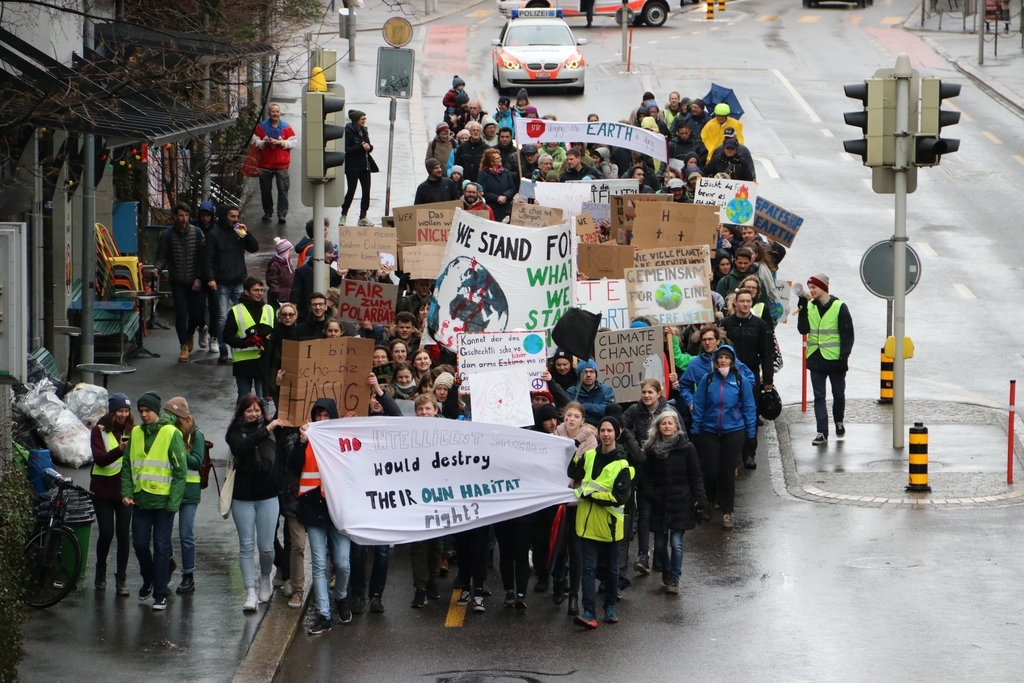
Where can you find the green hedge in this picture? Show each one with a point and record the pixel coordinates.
(16, 524)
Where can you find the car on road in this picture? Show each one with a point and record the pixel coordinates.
(860, 3)
(650, 12)
(536, 49)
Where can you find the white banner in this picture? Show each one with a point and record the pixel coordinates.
(525, 351)
(568, 197)
(406, 479)
(607, 297)
(651, 143)
(498, 277)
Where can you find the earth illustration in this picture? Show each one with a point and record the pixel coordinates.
(467, 300)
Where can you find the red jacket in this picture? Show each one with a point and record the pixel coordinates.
(480, 206)
(273, 156)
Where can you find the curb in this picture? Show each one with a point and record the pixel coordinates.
(425, 19)
(274, 635)
(988, 84)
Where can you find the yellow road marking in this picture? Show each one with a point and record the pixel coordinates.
(810, 18)
(993, 138)
(1019, 158)
(769, 17)
(456, 613)
(853, 20)
(891, 21)
(481, 13)
(963, 116)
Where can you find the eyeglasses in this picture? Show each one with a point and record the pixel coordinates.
(707, 340)
(285, 314)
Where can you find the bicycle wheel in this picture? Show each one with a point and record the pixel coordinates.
(53, 561)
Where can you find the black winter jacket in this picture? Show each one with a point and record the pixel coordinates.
(754, 341)
(253, 450)
(357, 159)
(673, 485)
(225, 252)
(503, 184)
(184, 255)
(468, 156)
(439, 190)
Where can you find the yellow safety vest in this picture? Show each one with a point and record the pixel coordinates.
(245, 321)
(594, 521)
(191, 475)
(824, 332)
(757, 310)
(114, 467)
(151, 472)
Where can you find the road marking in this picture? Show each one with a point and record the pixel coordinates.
(963, 116)
(646, 82)
(456, 612)
(964, 292)
(892, 21)
(769, 17)
(481, 13)
(867, 181)
(846, 157)
(1019, 158)
(827, 133)
(926, 248)
(992, 137)
(810, 18)
(768, 166)
(800, 100)
(652, 42)
(853, 20)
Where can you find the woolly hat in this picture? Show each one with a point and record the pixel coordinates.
(722, 109)
(545, 393)
(820, 281)
(282, 246)
(457, 169)
(118, 401)
(440, 127)
(638, 324)
(559, 353)
(150, 400)
(457, 81)
(729, 132)
(651, 103)
(354, 115)
(504, 100)
(462, 98)
(698, 101)
(586, 365)
(544, 413)
(694, 173)
(445, 380)
(553, 176)
(177, 406)
(614, 422)
(522, 95)
(431, 164)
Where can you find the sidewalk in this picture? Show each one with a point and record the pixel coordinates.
(1001, 76)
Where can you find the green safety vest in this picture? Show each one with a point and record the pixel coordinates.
(114, 467)
(245, 321)
(191, 475)
(151, 472)
(824, 333)
(600, 522)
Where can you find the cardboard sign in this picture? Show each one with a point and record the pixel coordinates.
(405, 219)
(324, 368)
(535, 216)
(775, 223)
(371, 302)
(586, 230)
(735, 197)
(623, 211)
(607, 297)
(422, 262)
(601, 213)
(361, 248)
(672, 256)
(674, 295)
(432, 225)
(625, 358)
(568, 197)
(524, 351)
(662, 224)
(605, 260)
(601, 191)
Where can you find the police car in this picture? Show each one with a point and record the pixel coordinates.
(537, 49)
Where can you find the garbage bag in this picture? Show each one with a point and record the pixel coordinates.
(64, 434)
(88, 402)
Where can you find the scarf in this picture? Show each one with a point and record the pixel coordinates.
(286, 261)
(662, 447)
(496, 171)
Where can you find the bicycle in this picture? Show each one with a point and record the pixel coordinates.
(53, 556)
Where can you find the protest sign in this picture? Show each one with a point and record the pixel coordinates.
(625, 358)
(361, 248)
(601, 213)
(405, 219)
(669, 224)
(775, 223)
(499, 277)
(423, 261)
(371, 302)
(568, 197)
(674, 295)
(735, 197)
(637, 139)
(607, 297)
(586, 230)
(526, 189)
(623, 211)
(407, 479)
(324, 368)
(385, 373)
(672, 256)
(601, 191)
(783, 295)
(432, 225)
(524, 351)
(605, 260)
(535, 215)
(502, 397)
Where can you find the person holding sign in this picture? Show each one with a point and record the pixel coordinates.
(606, 483)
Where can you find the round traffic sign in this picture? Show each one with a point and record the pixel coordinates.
(397, 31)
(876, 270)
(630, 16)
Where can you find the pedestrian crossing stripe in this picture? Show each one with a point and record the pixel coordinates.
(892, 21)
(481, 13)
(769, 17)
(810, 18)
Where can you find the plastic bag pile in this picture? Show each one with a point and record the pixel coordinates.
(62, 431)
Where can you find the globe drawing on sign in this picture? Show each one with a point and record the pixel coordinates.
(502, 400)
(533, 344)
(739, 210)
(668, 295)
(466, 300)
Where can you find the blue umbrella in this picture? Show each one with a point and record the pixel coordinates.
(719, 94)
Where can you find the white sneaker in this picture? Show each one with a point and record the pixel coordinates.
(266, 590)
(204, 337)
(287, 589)
(250, 600)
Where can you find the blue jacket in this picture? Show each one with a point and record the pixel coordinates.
(725, 405)
(506, 120)
(698, 369)
(594, 401)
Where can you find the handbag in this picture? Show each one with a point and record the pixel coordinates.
(204, 469)
(227, 491)
(250, 167)
(374, 168)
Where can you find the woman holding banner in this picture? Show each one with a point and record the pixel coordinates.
(567, 543)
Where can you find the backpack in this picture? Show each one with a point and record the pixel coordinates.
(204, 469)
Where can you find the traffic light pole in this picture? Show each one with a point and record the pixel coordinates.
(320, 281)
(903, 74)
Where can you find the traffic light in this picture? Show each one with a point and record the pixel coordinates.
(929, 145)
(877, 121)
(322, 134)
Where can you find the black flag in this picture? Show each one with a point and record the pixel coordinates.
(575, 332)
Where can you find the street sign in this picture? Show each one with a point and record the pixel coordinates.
(395, 68)
(630, 16)
(876, 270)
(397, 31)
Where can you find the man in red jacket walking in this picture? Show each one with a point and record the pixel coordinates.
(274, 140)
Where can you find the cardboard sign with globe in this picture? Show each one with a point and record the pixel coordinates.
(672, 295)
(735, 197)
(497, 277)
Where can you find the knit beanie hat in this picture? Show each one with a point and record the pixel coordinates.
(586, 365)
(614, 422)
(118, 401)
(150, 400)
(457, 169)
(545, 393)
(820, 281)
(178, 407)
(431, 164)
(445, 379)
(282, 246)
(544, 413)
(522, 95)
(457, 81)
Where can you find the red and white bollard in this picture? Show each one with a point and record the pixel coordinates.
(803, 375)
(1009, 432)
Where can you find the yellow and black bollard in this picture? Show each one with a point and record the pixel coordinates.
(918, 458)
(711, 10)
(885, 384)
(721, 5)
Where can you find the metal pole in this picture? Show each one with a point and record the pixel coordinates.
(352, 31)
(1009, 431)
(319, 274)
(888, 318)
(88, 250)
(391, 149)
(426, 7)
(903, 74)
(38, 254)
(980, 21)
(625, 31)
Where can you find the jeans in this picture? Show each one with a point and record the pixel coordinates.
(155, 563)
(719, 455)
(113, 518)
(608, 553)
(187, 536)
(250, 385)
(363, 179)
(255, 521)
(378, 574)
(268, 176)
(838, 380)
(663, 540)
(188, 310)
(227, 296)
(514, 548)
(340, 548)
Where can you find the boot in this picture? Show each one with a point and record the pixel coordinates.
(122, 586)
(183, 356)
(101, 579)
(574, 606)
(187, 584)
(559, 592)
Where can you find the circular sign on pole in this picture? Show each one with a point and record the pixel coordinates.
(397, 31)
(630, 16)
(876, 270)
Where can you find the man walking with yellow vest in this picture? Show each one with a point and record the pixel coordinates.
(247, 332)
(829, 328)
(153, 482)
